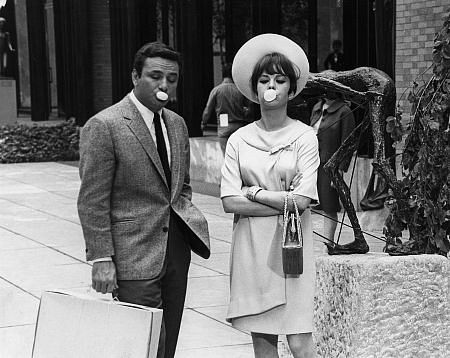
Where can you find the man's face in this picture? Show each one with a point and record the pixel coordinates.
(158, 74)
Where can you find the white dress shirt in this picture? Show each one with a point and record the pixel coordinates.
(148, 116)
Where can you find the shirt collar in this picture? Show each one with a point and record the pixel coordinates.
(144, 111)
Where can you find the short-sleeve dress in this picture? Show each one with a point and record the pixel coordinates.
(262, 298)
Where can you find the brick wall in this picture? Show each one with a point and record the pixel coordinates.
(100, 45)
(416, 24)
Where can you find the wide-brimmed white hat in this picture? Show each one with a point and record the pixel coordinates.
(257, 47)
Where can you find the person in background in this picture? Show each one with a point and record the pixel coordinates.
(5, 48)
(332, 120)
(134, 203)
(263, 160)
(335, 60)
(227, 105)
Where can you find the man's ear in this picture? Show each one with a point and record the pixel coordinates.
(134, 76)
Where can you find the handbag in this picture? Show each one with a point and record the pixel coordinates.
(375, 194)
(292, 245)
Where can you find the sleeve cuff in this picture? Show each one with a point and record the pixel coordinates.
(102, 259)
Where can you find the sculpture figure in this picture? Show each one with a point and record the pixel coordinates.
(367, 87)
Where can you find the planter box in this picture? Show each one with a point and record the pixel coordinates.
(379, 306)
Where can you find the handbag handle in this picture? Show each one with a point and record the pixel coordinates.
(295, 221)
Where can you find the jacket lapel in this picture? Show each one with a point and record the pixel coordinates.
(175, 150)
(317, 113)
(330, 117)
(141, 131)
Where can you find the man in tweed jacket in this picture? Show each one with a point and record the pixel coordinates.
(134, 205)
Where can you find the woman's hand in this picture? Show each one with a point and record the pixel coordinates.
(296, 180)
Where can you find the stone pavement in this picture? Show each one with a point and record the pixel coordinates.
(41, 247)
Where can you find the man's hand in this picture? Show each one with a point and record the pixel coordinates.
(104, 278)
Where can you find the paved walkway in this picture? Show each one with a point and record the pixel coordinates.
(41, 247)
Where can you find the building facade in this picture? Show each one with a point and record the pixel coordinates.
(74, 57)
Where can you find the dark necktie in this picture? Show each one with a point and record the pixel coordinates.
(161, 146)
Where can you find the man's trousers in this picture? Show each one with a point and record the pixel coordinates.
(167, 290)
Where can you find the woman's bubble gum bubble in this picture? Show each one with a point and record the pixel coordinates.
(270, 95)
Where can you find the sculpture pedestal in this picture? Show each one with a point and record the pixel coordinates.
(8, 106)
(380, 306)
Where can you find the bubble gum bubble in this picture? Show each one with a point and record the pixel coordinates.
(270, 95)
(162, 96)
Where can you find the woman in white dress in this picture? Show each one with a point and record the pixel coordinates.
(262, 160)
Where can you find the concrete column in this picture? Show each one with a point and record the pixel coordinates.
(22, 53)
(51, 55)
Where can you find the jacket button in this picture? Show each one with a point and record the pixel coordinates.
(165, 229)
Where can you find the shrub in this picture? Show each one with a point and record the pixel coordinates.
(421, 200)
(22, 143)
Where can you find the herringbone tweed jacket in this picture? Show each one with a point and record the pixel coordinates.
(124, 201)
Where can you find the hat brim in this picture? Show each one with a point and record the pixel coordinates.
(257, 47)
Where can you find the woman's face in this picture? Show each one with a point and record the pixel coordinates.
(278, 82)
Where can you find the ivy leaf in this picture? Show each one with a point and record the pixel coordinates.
(412, 97)
(397, 135)
(446, 63)
(436, 57)
(445, 51)
(434, 125)
(390, 124)
(412, 202)
(441, 241)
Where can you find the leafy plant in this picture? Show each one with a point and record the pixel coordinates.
(420, 201)
(38, 143)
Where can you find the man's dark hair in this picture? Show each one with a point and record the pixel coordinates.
(154, 49)
(226, 70)
(275, 63)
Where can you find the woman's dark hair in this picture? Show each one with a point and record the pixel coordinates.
(273, 63)
(154, 49)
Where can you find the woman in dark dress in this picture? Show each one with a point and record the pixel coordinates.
(333, 121)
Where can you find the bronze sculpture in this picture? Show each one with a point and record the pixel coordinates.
(367, 87)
